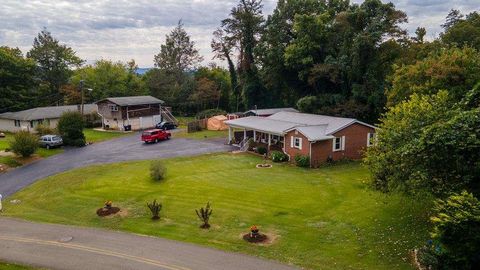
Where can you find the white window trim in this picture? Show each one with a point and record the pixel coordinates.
(342, 144)
(113, 108)
(369, 140)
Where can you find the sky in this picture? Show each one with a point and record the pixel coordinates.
(121, 30)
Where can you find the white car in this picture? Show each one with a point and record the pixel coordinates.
(50, 141)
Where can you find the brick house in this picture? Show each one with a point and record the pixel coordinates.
(318, 136)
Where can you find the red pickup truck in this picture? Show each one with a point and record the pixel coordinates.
(155, 135)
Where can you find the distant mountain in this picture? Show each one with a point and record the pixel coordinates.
(141, 71)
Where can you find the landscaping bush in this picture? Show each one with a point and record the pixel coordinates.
(24, 143)
(302, 161)
(204, 215)
(70, 127)
(155, 208)
(251, 144)
(92, 120)
(262, 150)
(44, 130)
(456, 227)
(157, 170)
(209, 113)
(278, 156)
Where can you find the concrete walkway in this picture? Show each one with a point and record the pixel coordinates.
(76, 248)
(116, 150)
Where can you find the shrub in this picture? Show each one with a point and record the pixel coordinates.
(261, 150)
(157, 170)
(251, 144)
(44, 130)
(155, 208)
(278, 156)
(24, 143)
(204, 215)
(456, 226)
(70, 127)
(302, 161)
(209, 113)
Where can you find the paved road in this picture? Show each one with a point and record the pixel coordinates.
(68, 247)
(116, 150)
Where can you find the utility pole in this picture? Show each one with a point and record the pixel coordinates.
(81, 91)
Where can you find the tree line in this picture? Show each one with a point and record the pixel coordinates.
(329, 57)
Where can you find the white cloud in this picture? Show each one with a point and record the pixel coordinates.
(125, 29)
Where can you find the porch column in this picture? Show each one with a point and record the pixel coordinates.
(269, 140)
(244, 134)
(254, 136)
(229, 135)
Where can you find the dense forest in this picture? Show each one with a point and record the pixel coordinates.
(328, 57)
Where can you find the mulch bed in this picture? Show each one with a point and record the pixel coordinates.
(264, 165)
(103, 212)
(259, 239)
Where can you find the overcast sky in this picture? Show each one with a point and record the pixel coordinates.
(126, 29)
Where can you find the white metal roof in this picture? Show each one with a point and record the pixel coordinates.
(261, 124)
(315, 127)
(271, 111)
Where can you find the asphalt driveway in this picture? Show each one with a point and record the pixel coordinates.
(116, 150)
(68, 247)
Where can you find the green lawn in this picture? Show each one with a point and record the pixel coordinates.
(94, 136)
(326, 218)
(200, 135)
(10, 266)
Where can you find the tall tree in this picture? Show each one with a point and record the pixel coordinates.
(463, 32)
(55, 62)
(178, 54)
(17, 84)
(243, 27)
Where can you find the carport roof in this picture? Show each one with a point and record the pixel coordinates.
(134, 100)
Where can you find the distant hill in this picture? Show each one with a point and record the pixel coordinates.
(141, 71)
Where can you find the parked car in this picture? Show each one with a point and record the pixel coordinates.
(155, 135)
(50, 141)
(166, 125)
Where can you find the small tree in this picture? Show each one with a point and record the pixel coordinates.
(155, 208)
(204, 215)
(24, 143)
(157, 170)
(70, 127)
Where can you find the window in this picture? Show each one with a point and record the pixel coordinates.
(113, 108)
(339, 143)
(296, 143)
(370, 139)
(17, 123)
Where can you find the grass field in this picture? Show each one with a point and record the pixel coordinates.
(326, 218)
(200, 135)
(11, 266)
(94, 136)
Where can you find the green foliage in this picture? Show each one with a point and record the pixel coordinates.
(456, 70)
(278, 156)
(302, 161)
(204, 215)
(463, 32)
(24, 143)
(45, 130)
(427, 144)
(457, 228)
(54, 64)
(157, 170)
(178, 54)
(70, 127)
(209, 113)
(155, 208)
(261, 150)
(107, 79)
(17, 82)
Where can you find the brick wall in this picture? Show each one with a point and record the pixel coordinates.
(292, 152)
(355, 145)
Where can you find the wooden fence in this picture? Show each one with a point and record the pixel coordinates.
(197, 125)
